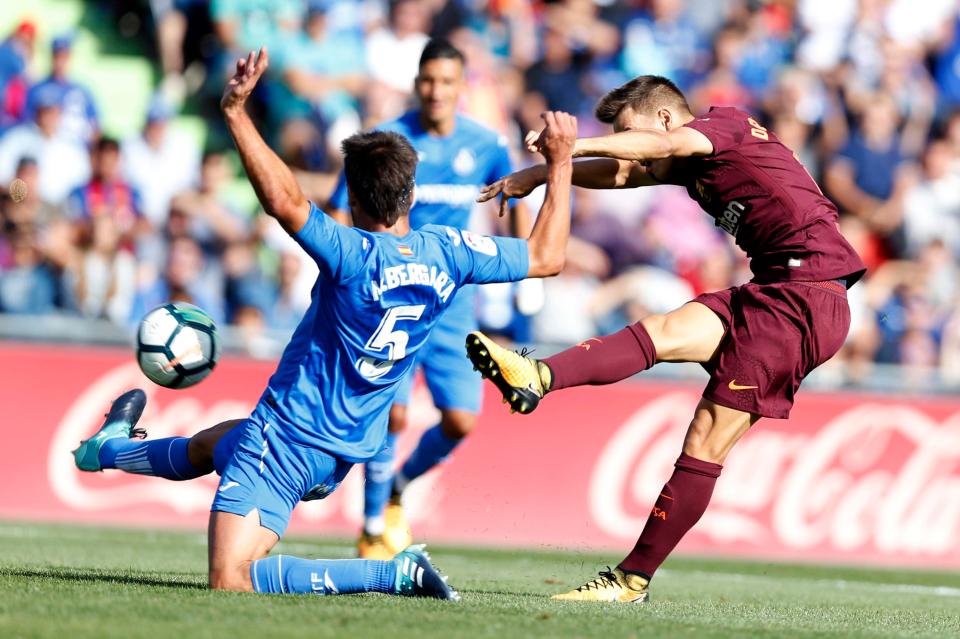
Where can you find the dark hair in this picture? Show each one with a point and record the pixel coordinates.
(212, 153)
(380, 168)
(642, 94)
(440, 49)
(107, 144)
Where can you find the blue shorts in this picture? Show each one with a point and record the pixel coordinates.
(270, 475)
(449, 374)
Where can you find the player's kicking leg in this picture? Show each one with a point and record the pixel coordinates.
(691, 333)
(120, 444)
(682, 501)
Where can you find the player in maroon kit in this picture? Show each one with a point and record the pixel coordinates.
(758, 341)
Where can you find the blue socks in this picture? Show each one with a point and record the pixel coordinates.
(286, 574)
(165, 458)
(378, 474)
(434, 448)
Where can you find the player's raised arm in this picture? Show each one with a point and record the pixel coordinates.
(548, 240)
(274, 182)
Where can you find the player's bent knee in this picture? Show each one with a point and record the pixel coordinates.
(398, 418)
(665, 335)
(457, 424)
(704, 451)
(233, 578)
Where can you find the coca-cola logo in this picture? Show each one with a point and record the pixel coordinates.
(875, 478)
(183, 413)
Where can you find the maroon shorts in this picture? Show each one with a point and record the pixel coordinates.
(775, 335)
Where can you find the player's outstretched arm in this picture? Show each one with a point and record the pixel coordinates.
(600, 173)
(548, 241)
(274, 182)
(643, 145)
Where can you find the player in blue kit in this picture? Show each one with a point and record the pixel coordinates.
(457, 157)
(382, 288)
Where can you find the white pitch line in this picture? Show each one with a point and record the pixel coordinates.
(839, 584)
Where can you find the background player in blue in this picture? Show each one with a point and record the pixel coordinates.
(382, 288)
(457, 157)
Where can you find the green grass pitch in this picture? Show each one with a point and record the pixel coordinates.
(78, 582)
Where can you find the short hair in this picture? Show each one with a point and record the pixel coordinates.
(106, 143)
(642, 94)
(440, 49)
(380, 168)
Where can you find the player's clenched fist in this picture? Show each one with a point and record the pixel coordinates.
(557, 140)
(241, 85)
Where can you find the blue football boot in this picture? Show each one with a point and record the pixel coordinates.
(120, 422)
(417, 577)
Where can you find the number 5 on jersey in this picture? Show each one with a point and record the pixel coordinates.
(389, 341)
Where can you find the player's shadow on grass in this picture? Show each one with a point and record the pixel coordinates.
(80, 575)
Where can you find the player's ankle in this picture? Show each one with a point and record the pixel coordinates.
(545, 374)
(374, 526)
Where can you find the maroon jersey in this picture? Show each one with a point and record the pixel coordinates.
(760, 193)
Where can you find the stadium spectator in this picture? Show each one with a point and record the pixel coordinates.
(665, 41)
(393, 52)
(247, 288)
(180, 281)
(102, 280)
(322, 76)
(159, 163)
(15, 53)
(28, 285)
(32, 208)
(63, 163)
(108, 195)
(242, 25)
(288, 307)
(78, 113)
(866, 178)
(932, 206)
(556, 81)
(210, 217)
(947, 65)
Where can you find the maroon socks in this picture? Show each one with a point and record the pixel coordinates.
(683, 500)
(680, 505)
(603, 360)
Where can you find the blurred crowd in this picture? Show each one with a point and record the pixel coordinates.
(866, 92)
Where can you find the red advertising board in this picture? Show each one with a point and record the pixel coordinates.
(847, 478)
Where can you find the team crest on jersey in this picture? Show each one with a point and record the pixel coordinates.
(464, 163)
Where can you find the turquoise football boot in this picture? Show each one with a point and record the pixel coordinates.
(417, 577)
(120, 421)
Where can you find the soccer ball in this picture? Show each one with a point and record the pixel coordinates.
(177, 345)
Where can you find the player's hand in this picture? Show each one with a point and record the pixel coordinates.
(557, 141)
(241, 85)
(532, 141)
(518, 184)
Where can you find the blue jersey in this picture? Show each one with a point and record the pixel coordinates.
(374, 304)
(450, 172)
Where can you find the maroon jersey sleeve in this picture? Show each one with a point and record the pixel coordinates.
(723, 131)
